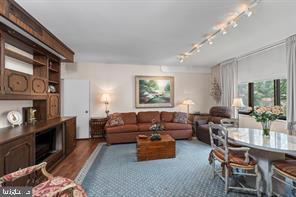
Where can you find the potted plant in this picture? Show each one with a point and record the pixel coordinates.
(265, 115)
(155, 128)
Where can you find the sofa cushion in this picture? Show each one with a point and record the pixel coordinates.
(167, 116)
(180, 117)
(147, 117)
(144, 126)
(176, 126)
(115, 120)
(122, 129)
(129, 118)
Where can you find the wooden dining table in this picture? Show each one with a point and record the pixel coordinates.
(264, 149)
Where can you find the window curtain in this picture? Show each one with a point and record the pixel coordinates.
(291, 61)
(229, 82)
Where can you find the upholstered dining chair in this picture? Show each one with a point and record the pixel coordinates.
(282, 170)
(53, 187)
(232, 158)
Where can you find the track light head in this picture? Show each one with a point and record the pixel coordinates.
(248, 12)
(223, 30)
(234, 24)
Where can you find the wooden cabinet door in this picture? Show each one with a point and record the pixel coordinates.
(53, 106)
(70, 135)
(17, 82)
(39, 86)
(16, 155)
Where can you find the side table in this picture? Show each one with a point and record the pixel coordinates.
(97, 126)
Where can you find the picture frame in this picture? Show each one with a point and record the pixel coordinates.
(154, 91)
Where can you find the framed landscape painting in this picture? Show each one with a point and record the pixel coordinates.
(154, 91)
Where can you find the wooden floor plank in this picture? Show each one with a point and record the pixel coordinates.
(72, 164)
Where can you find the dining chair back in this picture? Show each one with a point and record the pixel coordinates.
(235, 161)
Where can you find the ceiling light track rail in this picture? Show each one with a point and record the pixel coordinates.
(196, 48)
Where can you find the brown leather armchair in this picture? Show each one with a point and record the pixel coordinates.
(216, 114)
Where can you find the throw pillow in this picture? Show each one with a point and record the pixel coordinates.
(115, 120)
(181, 117)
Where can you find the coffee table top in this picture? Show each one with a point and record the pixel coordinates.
(164, 138)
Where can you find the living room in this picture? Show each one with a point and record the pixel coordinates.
(103, 96)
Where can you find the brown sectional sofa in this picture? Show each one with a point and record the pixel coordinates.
(136, 124)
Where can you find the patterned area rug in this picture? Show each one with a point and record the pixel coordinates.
(113, 171)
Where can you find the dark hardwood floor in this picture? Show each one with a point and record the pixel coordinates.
(72, 164)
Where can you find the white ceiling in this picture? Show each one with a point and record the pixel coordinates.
(153, 32)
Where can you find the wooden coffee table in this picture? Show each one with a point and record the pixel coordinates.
(161, 149)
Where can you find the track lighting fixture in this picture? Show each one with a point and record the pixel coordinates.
(233, 23)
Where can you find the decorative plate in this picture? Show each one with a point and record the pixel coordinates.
(14, 118)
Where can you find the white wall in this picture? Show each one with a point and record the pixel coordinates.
(119, 81)
(6, 106)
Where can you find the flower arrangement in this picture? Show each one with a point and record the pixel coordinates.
(265, 115)
(155, 128)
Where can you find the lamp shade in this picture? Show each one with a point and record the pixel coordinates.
(238, 102)
(106, 98)
(188, 102)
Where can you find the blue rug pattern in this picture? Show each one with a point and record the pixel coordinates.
(115, 172)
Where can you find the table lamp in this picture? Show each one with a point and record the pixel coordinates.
(106, 100)
(237, 103)
(188, 102)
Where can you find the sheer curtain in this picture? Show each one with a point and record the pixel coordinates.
(229, 82)
(291, 61)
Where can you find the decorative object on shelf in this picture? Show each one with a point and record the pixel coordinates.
(216, 91)
(155, 128)
(265, 115)
(106, 100)
(14, 118)
(51, 89)
(154, 91)
(29, 116)
(237, 104)
(188, 102)
(231, 22)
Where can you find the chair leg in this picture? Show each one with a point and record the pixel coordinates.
(258, 180)
(226, 178)
(213, 166)
(271, 182)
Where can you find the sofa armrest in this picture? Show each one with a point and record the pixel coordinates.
(201, 122)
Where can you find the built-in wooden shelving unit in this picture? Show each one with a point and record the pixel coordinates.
(30, 58)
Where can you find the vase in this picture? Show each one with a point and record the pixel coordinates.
(266, 127)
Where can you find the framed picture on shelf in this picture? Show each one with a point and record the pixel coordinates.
(154, 91)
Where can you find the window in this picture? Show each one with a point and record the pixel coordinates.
(283, 95)
(264, 93)
(243, 93)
